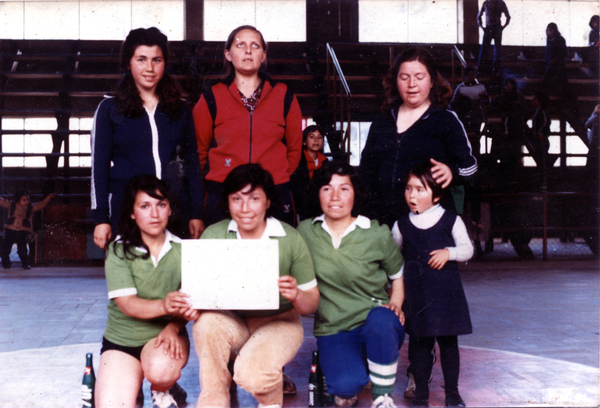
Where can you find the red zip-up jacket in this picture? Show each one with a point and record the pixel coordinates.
(228, 135)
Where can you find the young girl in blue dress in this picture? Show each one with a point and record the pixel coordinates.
(433, 240)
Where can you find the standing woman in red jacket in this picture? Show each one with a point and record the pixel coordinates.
(247, 118)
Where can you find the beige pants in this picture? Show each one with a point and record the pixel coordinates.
(261, 346)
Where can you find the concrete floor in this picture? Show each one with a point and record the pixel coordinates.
(535, 341)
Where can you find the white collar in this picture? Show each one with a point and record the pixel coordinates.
(427, 218)
(273, 229)
(361, 221)
(169, 237)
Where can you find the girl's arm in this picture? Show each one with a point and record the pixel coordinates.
(463, 251)
(305, 301)
(4, 203)
(42, 204)
(397, 235)
(139, 308)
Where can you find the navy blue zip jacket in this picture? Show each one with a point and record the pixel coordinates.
(142, 145)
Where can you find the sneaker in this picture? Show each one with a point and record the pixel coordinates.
(179, 394)
(385, 401)
(409, 392)
(163, 399)
(346, 402)
(289, 388)
(453, 399)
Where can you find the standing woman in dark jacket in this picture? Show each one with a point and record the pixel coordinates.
(145, 128)
(248, 118)
(414, 128)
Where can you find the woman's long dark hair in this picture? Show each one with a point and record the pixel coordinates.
(323, 176)
(127, 95)
(129, 232)
(229, 68)
(440, 93)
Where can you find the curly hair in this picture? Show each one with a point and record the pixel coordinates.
(127, 95)
(441, 91)
(129, 232)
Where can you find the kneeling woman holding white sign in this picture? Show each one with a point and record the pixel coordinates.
(260, 341)
(145, 334)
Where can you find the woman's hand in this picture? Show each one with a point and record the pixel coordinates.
(196, 228)
(102, 233)
(171, 342)
(288, 287)
(438, 259)
(176, 301)
(441, 173)
(397, 311)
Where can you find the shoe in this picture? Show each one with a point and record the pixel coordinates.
(179, 394)
(420, 402)
(453, 399)
(163, 399)
(346, 402)
(385, 401)
(409, 392)
(26, 266)
(289, 388)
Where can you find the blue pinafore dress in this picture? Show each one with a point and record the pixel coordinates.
(435, 302)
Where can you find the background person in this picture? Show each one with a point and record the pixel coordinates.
(19, 226)
(260, 341)
(313, 139)
(145, 334)
(146, 128)
(493, 10)
(358, 325)
(248, 118)
(414, 128)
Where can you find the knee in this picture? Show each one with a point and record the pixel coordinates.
(346, 383)
(382, 320)
(210, 328)
(257, 377)
(162, 372)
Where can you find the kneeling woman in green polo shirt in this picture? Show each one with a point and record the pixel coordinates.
(260, 341)
(359, 327)
(145, 335)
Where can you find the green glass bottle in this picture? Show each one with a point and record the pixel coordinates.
(314, 389)
(88, 383)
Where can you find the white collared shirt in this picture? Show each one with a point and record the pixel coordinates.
(169, 237)
(273, 229)
(361, 221)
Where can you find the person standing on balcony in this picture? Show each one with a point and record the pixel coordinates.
(248, 118)
(493, 10)
(145, 128)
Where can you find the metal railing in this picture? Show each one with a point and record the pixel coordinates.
(338, 102)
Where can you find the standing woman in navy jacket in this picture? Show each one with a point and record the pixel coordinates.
(248, 118)
(415, 128)
(145, 128)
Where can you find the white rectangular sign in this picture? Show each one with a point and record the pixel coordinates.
(231, 274)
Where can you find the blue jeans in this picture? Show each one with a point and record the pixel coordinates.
(343, 356)
(491, 33)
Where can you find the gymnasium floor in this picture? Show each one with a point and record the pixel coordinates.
(535, 340)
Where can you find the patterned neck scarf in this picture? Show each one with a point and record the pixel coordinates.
(251, 102)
